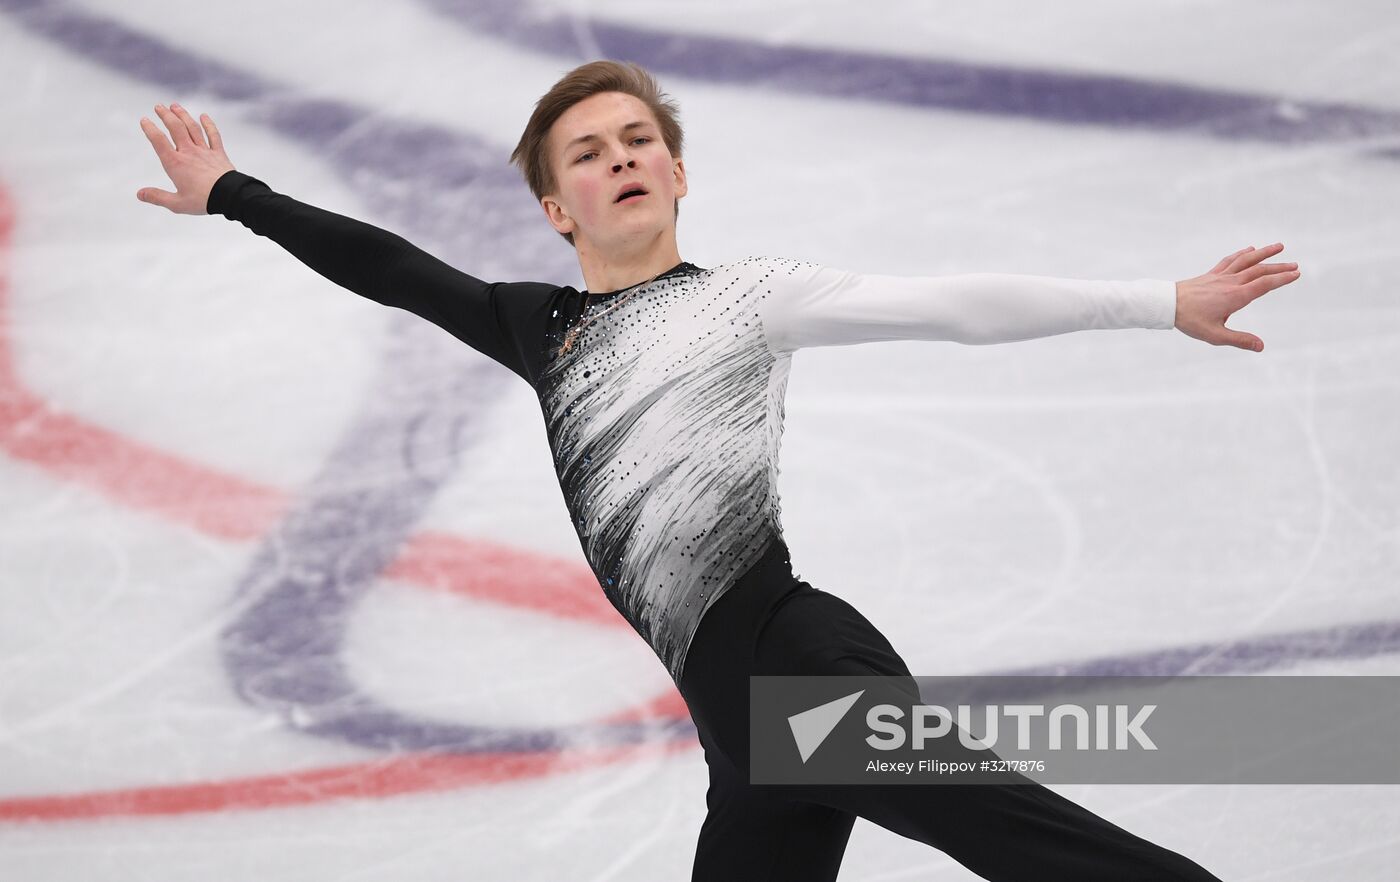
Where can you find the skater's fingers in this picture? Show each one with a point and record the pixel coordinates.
(157, 138)
(163, 198)
(1241, 340)
(196, 133)
(178, 133)
(1267, 269)
(1225, 261)
(1277, 276)
(1250, 258)
(216, 141)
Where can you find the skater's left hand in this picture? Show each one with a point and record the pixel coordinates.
(1205, 302)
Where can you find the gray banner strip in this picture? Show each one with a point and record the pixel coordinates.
(1075, 730)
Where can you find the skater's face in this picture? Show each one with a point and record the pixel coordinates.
(598, 147)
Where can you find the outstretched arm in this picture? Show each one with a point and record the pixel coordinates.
(360, 257)
(821, 306)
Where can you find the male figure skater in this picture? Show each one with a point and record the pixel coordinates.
(662, 389)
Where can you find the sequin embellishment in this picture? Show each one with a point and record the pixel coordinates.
(664, 419)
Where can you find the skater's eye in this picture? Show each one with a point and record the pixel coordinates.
(590, 153)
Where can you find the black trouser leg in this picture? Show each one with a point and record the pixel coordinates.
(752, 834)
(1020, 830)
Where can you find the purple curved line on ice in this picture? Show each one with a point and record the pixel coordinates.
(285, 652)
(1048, 95)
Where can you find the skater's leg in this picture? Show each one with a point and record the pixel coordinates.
(750, 834)
(1013, 831)
(1017, 830)
(753, 835)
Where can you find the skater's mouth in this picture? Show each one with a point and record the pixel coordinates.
(630, 193)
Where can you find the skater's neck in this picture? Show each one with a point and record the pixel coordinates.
(605, 272)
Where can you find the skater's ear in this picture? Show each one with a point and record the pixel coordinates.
(558, 217)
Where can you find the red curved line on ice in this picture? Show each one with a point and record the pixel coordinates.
(182, 491)
(376, 779)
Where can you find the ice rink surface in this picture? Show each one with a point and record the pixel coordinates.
(204, 442)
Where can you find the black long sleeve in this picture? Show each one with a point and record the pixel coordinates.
(504, 320)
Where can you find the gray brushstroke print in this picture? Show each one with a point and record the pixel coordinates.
(664, 420)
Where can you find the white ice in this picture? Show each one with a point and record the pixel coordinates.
(1056, 500)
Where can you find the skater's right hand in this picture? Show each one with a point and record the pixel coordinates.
(192, 164)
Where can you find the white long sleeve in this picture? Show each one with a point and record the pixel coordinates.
(805, 304)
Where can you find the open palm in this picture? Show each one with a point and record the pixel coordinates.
(192, 163)
(1205, 302)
